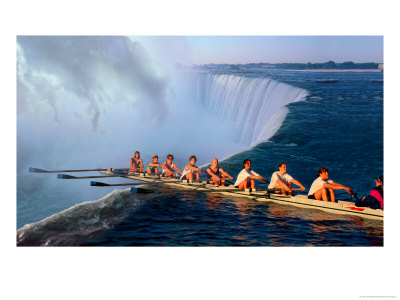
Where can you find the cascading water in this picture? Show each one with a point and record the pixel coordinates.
(256, 105)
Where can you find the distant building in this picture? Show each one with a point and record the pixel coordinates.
(380, 67)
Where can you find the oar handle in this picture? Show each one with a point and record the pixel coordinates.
(278, 189)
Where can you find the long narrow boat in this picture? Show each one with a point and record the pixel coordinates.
(339, 207)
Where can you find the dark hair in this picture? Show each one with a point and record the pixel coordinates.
(170, 155)
(380, 179)
(280, 164)
(322, 170)
(245, 161)
(137, 153)
(154, 156)
(193, 156)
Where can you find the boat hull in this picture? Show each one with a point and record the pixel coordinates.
(340, 207)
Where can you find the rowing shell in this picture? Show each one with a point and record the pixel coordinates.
(340, 207)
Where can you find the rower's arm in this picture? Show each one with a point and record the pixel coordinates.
(337, 186)
(259, 177)
(298, 184)
(225, 174)
(190, 167)
(284, 184)
(176, 167)
(156, 165)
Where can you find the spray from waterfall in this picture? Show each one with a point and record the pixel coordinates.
(79, 97)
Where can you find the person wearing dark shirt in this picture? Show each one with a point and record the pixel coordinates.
(375, 198)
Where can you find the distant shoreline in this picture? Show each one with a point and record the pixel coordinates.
(339, 70)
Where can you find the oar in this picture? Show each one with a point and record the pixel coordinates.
(229, 182)
(158, 178)
(36, 170)
(96, 183)
(133, 189)
(277, 189)
(342, 193)
(296, 189)
(64, 176)
(354, 195)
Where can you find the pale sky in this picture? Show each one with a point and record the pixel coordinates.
(269, 49)
(276, 49)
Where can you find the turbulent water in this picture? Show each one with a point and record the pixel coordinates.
(306, 119)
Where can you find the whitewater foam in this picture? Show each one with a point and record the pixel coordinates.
(81, 222)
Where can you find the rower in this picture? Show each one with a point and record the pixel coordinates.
(169, 168)
(136, 163)
(153, 166)
(322, 185)
(217, 174)
(282, 180)
(191, 171)
(246, 177)
(375, 198)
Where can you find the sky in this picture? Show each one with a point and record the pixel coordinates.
(286, 49)
(269, 49)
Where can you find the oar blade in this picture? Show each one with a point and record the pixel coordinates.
(64, 176)
(135, 190)
(36, 170)
(96, 183)
(120, 171)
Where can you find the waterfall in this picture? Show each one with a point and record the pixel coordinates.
(256, 105)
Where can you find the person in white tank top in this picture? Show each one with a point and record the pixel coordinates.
(170, 169)
(282, 180)
(191, 171)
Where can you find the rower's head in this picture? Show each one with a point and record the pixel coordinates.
(137, 154)
(170, 157)
(155, 158)
(247, 164)
(193, 159)
(282, 167)
(323, 172)
(214, 162)
(379, 180)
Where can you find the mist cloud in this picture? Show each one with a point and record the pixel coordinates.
(96, 70)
